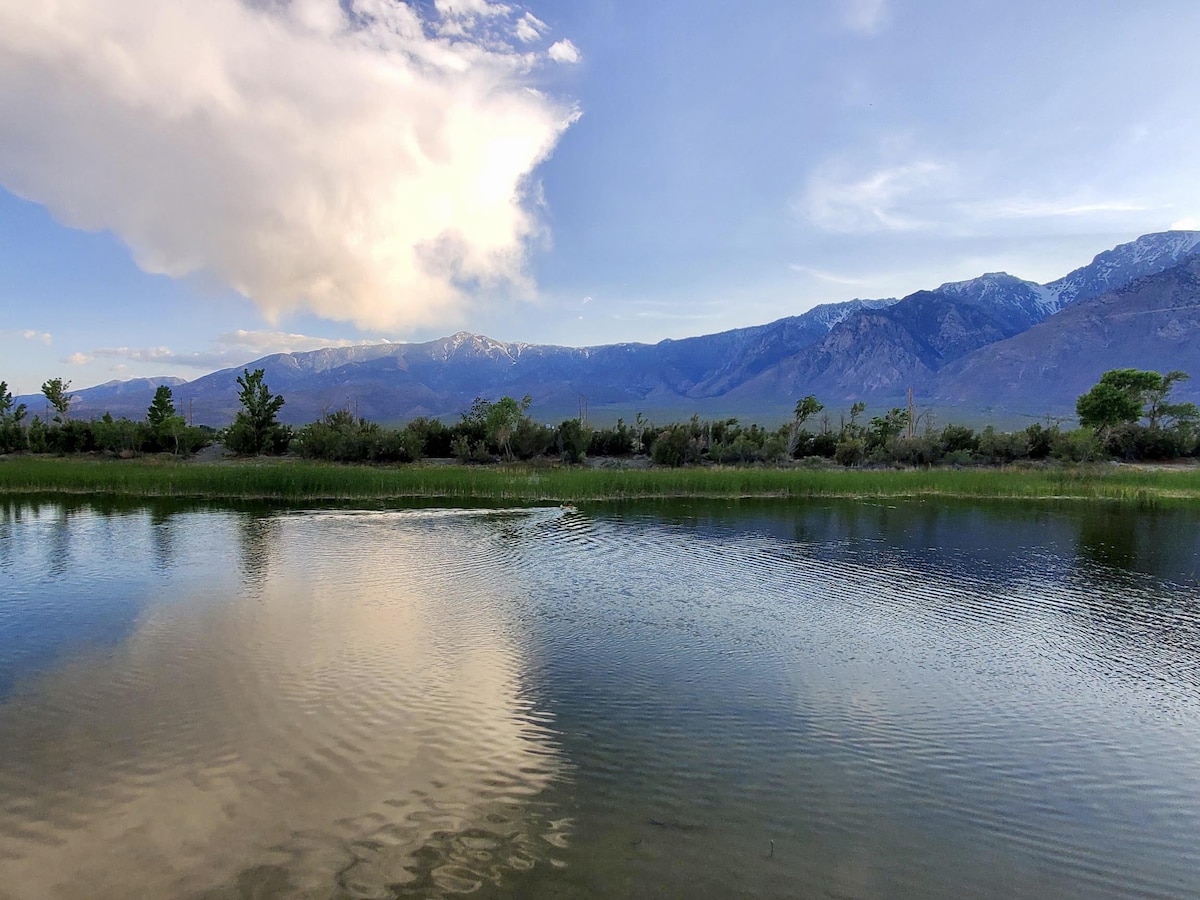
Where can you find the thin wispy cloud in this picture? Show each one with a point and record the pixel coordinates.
(529, 28)
(831, 277)
(42, 337)
(923, 195)
(364, 160)
(1028, 208)
(864, 16)
(231, 348)
(891, 198)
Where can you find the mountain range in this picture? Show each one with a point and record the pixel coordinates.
(995, 348)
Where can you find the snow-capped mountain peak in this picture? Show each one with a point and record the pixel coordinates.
(1147, 255)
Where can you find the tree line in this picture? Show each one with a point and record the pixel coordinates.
(1127, 415)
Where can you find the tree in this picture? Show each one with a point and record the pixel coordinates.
(12, 436)
(1127, 395)
(255, 430)
(886, 428)
(1106, 406)
(502, 420)
(8, 411)
(1158, 409)
(162, 407)
(572, 439)
(807, 408)
(165, 424)
(55, 390)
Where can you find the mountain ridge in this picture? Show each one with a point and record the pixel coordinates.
(870, 350)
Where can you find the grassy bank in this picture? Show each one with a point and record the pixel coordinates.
(287, 479)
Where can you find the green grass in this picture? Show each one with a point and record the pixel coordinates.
(287, 479)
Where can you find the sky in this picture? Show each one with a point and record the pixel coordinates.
(185, 187)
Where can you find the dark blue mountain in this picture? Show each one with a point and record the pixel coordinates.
(860, 350)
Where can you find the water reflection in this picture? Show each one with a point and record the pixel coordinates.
(928, 701)
(711, 700)
(258, 538)
(363, 724)
(1163, 543)
(163, 538)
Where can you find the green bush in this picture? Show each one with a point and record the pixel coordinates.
(955, 438)
(675, 446)
(12, 438)
(572, 440)
(917, 451)
(1000, 447)
(850, 452)
(435, 436)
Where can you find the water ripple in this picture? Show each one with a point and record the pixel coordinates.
(829, 701)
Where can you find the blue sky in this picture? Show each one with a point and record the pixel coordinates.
(189, 186)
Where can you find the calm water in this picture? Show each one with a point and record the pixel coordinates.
(834, 700)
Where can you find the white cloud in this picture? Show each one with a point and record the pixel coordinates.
(471, 8)
(42, 336)
(529, 28)
(284, 342)
(1190, 223)
(865, 16)
(230, 348)
(831, 277)
(564, 52)
(344, 158)
(1033, 208)
(922, 194)
(884, 199)
(149, 354)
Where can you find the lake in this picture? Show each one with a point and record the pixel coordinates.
(829, 699)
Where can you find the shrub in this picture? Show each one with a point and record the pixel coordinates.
(916, 451)
(572, 440)
(675, 446)
(435, 436)
(1001, 448)
(955, 438)
(850, 452)
(1079, 445)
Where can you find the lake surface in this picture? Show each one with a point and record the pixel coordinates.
(826, 700)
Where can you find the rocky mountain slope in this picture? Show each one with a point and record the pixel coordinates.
(993, 343)
(1151, 323)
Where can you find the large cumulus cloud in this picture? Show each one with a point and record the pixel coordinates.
(366, 160)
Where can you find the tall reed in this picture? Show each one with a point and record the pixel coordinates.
(300, 480)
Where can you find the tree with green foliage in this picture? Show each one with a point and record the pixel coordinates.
(164, 423)
(886, 428)
(255, 430)
(572, 439)
(1127, 395)
(162, 407)
(55, 391)
(1115, 406)
(7, 406)
(502, 420)
(1159, 410)
(807, 408)
(1119, 396)
(798, 439)
(12, 435)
